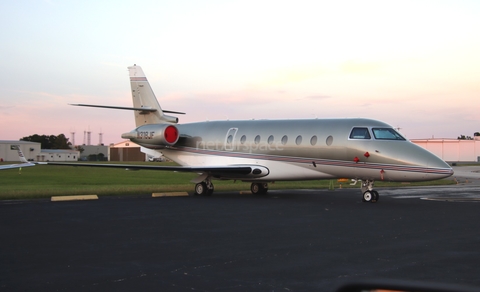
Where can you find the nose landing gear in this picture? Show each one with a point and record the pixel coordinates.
(369, 194)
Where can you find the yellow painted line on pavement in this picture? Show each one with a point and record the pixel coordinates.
(74, 198)
(171, 194)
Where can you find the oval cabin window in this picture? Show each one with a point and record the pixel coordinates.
(298, 141)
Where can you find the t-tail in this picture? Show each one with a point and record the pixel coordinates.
(144, 99)
(154, 129)
(147, 110)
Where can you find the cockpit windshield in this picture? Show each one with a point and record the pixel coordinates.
(386, 134)
(359, 133)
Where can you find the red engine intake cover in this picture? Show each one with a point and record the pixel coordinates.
(171, 134)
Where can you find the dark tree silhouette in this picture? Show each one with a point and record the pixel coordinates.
(49, 142)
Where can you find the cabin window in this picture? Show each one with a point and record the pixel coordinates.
(243, 139)
(386, 134)
(270, 139)
(329, 140)
(360, 133)
(313, 140)
(298, 141)
(257, 139)
(229, 139)
(284, 140)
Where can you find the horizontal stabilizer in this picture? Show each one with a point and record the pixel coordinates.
(143, 109)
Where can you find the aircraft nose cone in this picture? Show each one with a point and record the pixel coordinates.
(451, 172)
(445, 172)
(433, 167)
(439, 167)
(439, 163)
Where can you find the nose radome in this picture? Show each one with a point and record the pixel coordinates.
(438, 166)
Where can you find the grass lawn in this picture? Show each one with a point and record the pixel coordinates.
(44, 181)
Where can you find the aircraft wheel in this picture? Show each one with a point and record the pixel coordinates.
(263, 188)
(367, 196)
(259, 188)
(209, 190)
(255, 188)
(376, 196)
(201, 189)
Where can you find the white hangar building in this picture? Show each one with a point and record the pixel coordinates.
(33, 152)
(59, 155)
(452, 150)
(8, 152)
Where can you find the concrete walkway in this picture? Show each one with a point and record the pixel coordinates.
(467, 174)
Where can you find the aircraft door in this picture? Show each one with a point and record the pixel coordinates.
(230, 139)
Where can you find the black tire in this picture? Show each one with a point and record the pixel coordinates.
(255, 188)
(376, 196)
(209, 191)
(263, 188)
(367, 196)
(259, 188)
(201, 189)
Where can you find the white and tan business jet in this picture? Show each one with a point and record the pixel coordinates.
(265, 151)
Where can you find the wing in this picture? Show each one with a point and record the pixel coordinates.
(220, 172)
(10, 166)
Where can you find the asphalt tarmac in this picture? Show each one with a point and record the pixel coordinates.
(301, 240)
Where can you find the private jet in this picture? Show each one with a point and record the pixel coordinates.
(266, 151)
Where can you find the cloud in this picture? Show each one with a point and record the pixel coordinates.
(318, 97)
(360, 67)
(292, 74)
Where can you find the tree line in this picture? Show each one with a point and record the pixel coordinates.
(49, 142)
(463, 137)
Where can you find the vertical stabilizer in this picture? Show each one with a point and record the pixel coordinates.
(143, 97)
(21, 156)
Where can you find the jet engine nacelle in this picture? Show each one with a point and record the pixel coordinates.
(154, 136)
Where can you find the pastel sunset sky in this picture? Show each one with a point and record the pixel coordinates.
(412, 64)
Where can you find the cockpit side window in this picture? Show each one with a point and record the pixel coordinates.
(360, 133)
(387, 134)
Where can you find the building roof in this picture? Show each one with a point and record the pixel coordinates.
(17, 142)
(123, 144)
(59, 151)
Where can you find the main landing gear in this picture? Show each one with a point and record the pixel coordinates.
(369, 194)
(205, 188)
(259, 188)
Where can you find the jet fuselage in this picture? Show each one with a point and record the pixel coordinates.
(302, 149)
